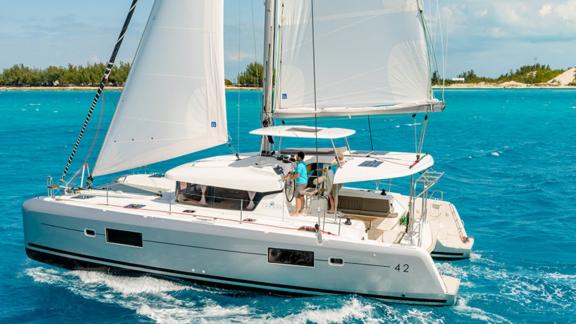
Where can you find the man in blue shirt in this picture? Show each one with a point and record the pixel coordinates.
(300, 175)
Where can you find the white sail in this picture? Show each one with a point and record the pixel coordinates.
(371, 57)
(174, 100)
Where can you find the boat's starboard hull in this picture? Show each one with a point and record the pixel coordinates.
(55, 234)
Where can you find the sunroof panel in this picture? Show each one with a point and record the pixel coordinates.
(370, 164)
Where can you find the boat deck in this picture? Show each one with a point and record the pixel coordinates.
(150, 205)
(452, 241)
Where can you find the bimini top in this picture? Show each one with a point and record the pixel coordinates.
(304, 132)
(389, 165)
(250, 173)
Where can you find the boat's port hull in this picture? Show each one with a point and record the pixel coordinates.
(444, 252)
(231, 256)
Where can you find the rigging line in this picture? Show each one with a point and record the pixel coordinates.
(98, 128)
(259, 77)
(423, 134)
(370, 131)
(237, 91)
(415, 132)
(103, 82)
(314, 83)
(432, 59)
(445, 62)
(443, 44)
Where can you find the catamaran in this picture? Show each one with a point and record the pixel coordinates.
(226, 220)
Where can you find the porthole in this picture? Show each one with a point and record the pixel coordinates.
(89, 232)
(336, 261)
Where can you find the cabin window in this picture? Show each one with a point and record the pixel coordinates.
(124, 237)
(215, 197)
(291, 257)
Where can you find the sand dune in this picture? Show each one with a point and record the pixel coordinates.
(565, 78)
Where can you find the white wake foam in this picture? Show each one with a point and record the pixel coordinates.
(476, 313)
(353, 310)
(146, 296)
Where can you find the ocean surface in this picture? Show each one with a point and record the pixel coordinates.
(510, 163)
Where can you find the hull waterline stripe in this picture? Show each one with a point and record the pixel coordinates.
(233, 280)
(448, 253)
(66, 228)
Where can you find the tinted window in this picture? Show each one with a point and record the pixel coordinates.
(292, 257)
(123, 237)
(215, 197)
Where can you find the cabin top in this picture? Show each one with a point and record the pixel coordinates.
(249, 173)
(370, 166)
(304, 132)
(264, 174)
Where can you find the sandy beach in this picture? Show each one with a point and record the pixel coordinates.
(78, 88)
(505, 85)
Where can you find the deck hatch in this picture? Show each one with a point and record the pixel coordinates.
(124, 237)
(135, 206)
(82, 197)
(370, 164)
(291, 257)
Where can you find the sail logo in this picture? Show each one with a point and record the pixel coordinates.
(213, 124)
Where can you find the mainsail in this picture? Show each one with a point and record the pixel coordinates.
(371, 57)
(174, 101)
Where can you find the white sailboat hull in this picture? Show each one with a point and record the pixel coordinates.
(233, 255)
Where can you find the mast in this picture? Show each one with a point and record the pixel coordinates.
(269, 49)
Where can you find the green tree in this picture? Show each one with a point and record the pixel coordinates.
(252, 76)
(71, 75)
(436, 79)
(531, 74)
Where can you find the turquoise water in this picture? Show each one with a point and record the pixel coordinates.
(510, 163)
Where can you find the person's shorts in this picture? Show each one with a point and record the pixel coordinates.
(300, 190)
(335, 189)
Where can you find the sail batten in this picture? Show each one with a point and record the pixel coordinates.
(174, 100)
(371, 57)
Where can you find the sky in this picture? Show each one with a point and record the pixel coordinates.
(489, 36)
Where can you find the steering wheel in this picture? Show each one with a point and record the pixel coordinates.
(289, 189)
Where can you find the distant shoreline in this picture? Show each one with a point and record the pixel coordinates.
(80, 88)
(460, 86)
(506, 85)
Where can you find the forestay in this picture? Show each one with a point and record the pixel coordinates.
(174, 102)
(371, 57)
